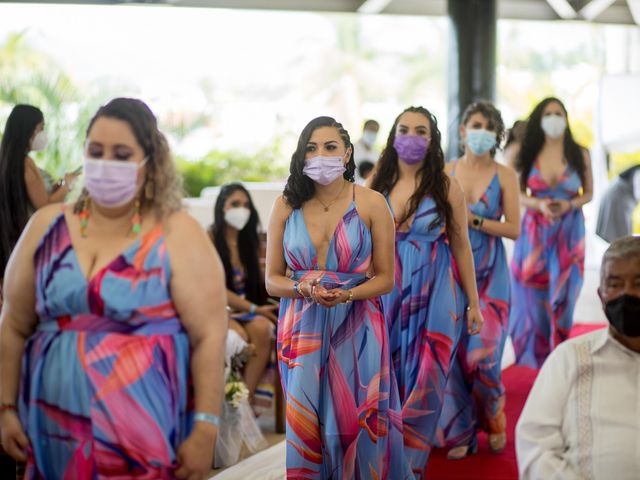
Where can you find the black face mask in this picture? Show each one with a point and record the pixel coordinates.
(624, 314)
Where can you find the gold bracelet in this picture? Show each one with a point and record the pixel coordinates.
(349, 298)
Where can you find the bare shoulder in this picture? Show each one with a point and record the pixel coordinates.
(506, 173)
(281, 209)
(181, 225)
(367, 194)
(586, 156)
(39, 223)
(43, 217)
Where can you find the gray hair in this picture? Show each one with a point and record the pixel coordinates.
(624, 248)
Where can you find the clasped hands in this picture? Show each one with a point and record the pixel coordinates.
(553, 208)
(328, 298)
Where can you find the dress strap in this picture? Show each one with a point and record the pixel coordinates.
(453, 168)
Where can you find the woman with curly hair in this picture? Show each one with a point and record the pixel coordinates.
(475, 395)
(114, 325)
(337, 240)
(426, 309)
(548, 260)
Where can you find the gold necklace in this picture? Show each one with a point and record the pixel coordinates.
(327, 205)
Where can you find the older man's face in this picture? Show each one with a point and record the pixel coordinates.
(620, 277)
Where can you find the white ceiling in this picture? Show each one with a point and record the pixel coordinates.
(607, 11)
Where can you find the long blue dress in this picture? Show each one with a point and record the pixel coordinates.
(475, 395)
(425, 313)
(105, 387)
(343, 412)
(547, 272)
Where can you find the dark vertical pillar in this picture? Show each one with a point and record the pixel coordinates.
(472, 60)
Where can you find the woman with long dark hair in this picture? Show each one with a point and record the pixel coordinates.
(548, 260)
(337, 240)
(475, 395)
(235, 235)
(426, 309)
(22, 188)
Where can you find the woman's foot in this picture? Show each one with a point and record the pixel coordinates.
(460, 452)
(497, 442)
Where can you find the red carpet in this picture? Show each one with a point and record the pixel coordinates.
(486, 466)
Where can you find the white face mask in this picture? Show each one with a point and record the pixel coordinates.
(237, 217)
(369, 137)
(554, 125)
(39, 141)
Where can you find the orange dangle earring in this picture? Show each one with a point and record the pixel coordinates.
(84, 217)
(135, 218)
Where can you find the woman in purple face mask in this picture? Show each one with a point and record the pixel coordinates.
(116, 307)
(336, 239)
(426, 310)
(475, 395)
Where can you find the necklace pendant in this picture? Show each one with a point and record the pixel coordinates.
(326, 209)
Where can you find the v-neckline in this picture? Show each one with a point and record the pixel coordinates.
(333, 236)
(395, 219)
(560, 178)
(88, 280)
(484, 192)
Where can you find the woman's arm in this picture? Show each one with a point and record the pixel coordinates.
(383, 253)
(277, 283)
(36, 192)
(587, 188)
(18, 322)
(461, 249)
(199, 294)
(510, 227)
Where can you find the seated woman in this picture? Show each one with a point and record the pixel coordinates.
(235, 235)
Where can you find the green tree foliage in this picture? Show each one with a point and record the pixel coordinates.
(218, 167)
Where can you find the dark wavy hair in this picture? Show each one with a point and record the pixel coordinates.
(14, 199)
(434, 182)
(534, 139)
(299, 187)
(248, 245)
(489, 111)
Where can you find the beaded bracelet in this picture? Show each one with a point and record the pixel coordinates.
(252, 308)
(207, 418)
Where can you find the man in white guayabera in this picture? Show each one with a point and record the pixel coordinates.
(582, 417)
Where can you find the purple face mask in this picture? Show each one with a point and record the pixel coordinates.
(111, 183)
(411, 148)
(324, 170)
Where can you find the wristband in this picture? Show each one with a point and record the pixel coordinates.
(207, 418)
(8, 406)
(252, 308)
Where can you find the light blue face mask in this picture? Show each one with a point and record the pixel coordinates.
(480, 141)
